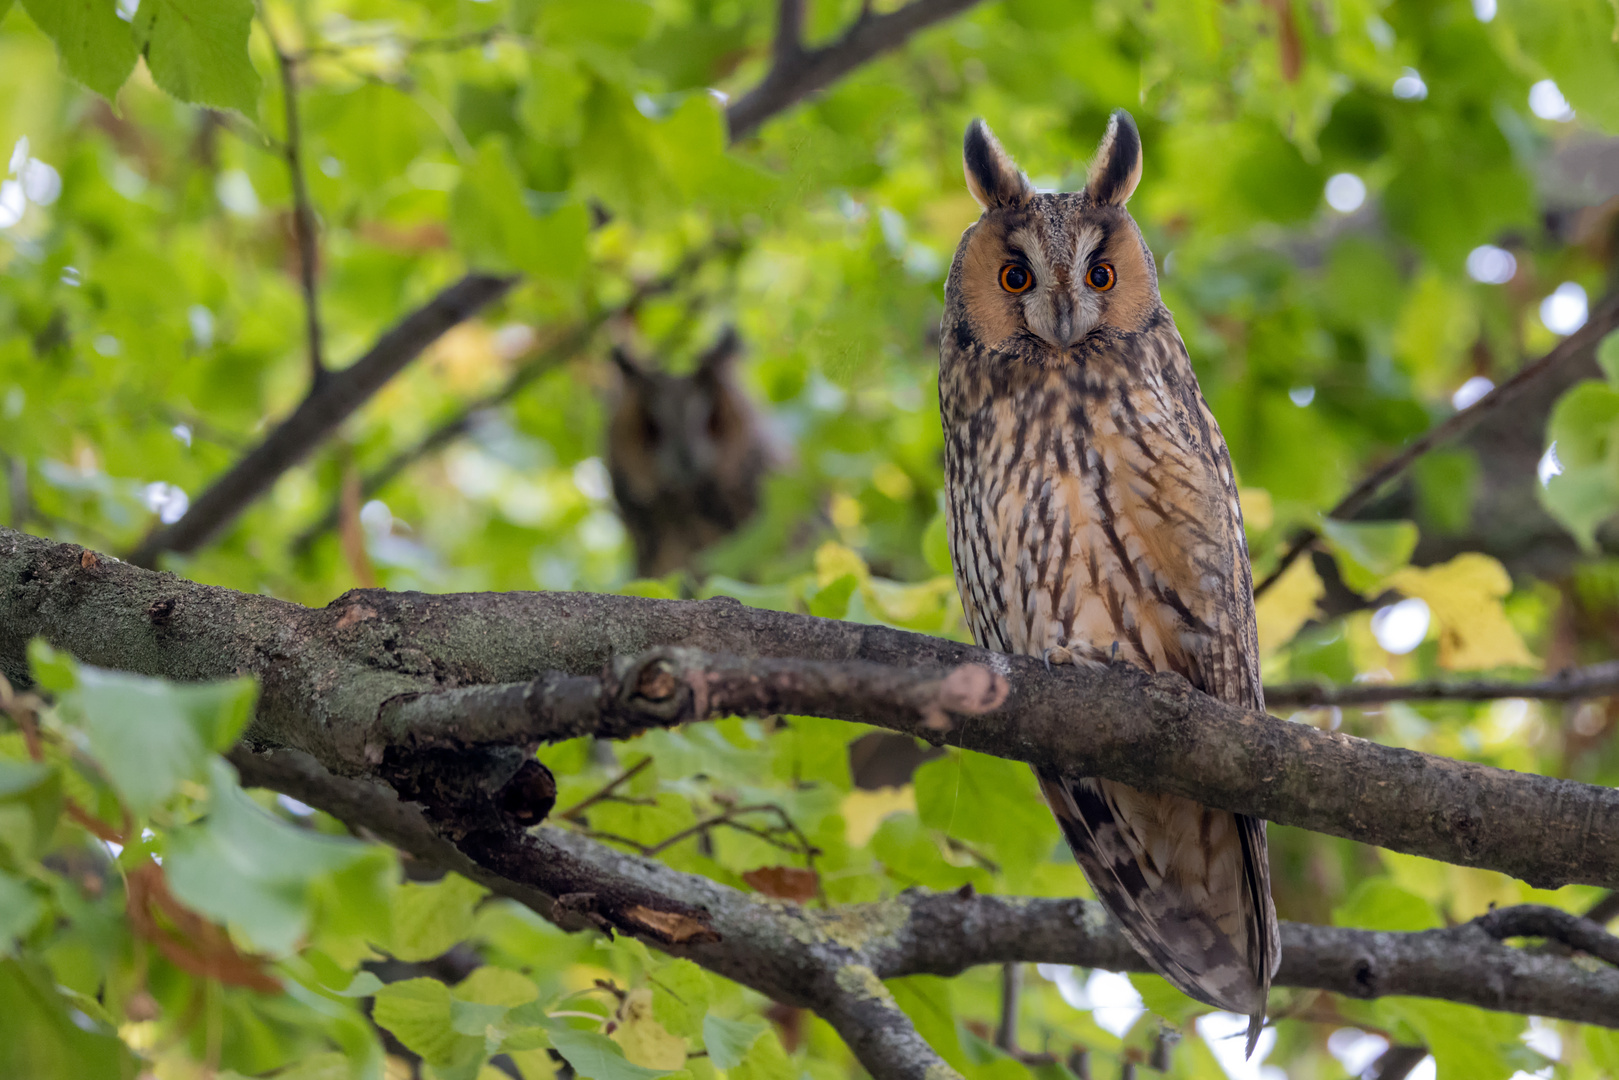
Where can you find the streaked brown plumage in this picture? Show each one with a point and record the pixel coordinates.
(686, 454)
(1094, 517)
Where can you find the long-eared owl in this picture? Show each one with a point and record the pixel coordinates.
(1094, 518)
(687, 455)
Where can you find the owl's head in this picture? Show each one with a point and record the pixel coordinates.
(1040, 275)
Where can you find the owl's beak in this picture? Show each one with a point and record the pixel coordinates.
(1065, 327)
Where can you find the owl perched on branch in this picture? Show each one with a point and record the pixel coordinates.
(686, 454)
(1094, 518)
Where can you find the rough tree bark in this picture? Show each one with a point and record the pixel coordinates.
(442, 697)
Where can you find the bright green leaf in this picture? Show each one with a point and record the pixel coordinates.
(1379, 904)
(148, 735)
(1369, 551)
(429, 920)
(417, 1011)
(242, 866)
(728, 1041)
(595, 1056)
(197, 51)
(93, 43)
(679, 996)
(19, 910)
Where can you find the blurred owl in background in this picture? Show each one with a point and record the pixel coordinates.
(686, 454)
(1093, 518)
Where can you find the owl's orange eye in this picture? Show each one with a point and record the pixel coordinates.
(1101, 277)
(1016, 279)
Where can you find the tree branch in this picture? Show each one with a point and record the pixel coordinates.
(395, 677)
(1574, 684)
(338, 683)
(811, 957)
(333, 398)
(453, 427)
(1603, 319)
(798, 72)
(331, 402)
(562, 348)
(303, 212)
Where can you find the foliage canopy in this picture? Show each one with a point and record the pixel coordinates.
(1360, 208)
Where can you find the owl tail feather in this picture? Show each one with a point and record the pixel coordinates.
(1172, 931)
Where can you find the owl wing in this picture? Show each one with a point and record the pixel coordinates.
(1189, 885)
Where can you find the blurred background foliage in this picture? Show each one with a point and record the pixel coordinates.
(1365, 214)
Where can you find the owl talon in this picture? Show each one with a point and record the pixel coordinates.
(1057, 654)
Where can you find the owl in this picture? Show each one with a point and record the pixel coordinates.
(686, 455)
(1093, 519)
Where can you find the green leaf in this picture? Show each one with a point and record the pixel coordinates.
(429, 920)
(148, 735)
(240, 865)
(197, 51)
(991, 804)
(728, 1041)
(94, 45)
(1163, 999)
(30, 805)
(493, 224)
(1467, 1043)
(679, 996)
(1608, 357)
(936, 544)
(53, 669)
(473, 1017)
(417, 1011)
(38, 1036)
(767, 1060)
(1576, 47)
(1584, 429)
(19, 910)
(831, 601)
(596, 1057)
(1368, 552)
(1379, 904)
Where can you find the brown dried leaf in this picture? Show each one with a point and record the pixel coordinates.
(783, 882)
(671, 926)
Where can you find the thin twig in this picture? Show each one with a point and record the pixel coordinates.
(1598, 680)
(1605, 910)
(303, 212)
(452, 43)
(1603, 319)
(328, 405)
(568, 344)
(798, 72)
(1011, 987)
(728, 819)
(1553, 924)
(573, 812)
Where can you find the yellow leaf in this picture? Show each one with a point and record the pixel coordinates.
(833, 560)
(1464, 599)
(645, 1041)
(1287, 605)
(1258, 513)
(863, 811)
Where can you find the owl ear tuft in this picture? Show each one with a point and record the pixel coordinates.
(720, 355)
(992, 176)
(1117, 168)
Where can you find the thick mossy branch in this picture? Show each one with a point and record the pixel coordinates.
(334, 678)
